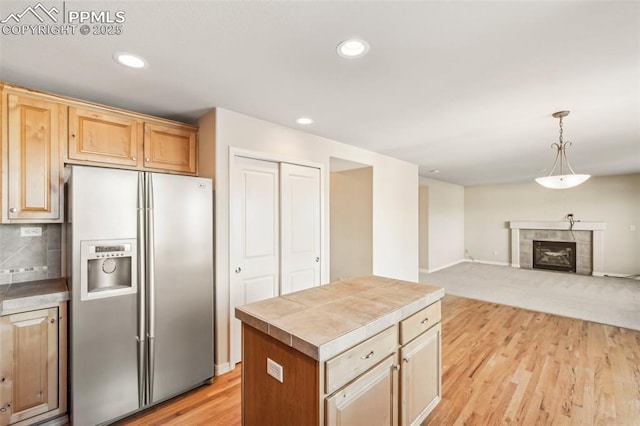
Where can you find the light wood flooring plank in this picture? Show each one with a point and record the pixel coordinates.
(501, 366)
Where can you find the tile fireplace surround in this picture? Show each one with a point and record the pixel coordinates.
(589, 242)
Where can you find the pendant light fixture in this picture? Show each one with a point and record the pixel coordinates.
(561, 181)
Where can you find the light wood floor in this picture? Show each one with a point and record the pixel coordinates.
(501, 365)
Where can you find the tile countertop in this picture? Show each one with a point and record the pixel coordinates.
(25, 296)
(324, 321)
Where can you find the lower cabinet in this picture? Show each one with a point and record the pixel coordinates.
(420, 383)
(369, 400)
(33, 365)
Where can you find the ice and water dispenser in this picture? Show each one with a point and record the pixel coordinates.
(108, 268)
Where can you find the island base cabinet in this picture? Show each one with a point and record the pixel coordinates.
(268, 401)
(420, 380)
(337, 360)
(370, 400)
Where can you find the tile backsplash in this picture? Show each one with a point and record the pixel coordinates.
(30, 258)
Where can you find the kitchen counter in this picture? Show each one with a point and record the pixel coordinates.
(31, 294)
(324, 321)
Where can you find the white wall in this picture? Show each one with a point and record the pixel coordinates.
(446, 207)
(351, 223)
(395, 200)
(612, 199)
(423, 227)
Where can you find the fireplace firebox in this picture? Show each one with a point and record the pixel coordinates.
(554, 255)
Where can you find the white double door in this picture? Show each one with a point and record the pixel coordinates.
(274, 233)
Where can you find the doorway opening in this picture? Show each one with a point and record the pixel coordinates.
(350, 218)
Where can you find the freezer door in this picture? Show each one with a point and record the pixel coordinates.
(103, 344)
(182, 303)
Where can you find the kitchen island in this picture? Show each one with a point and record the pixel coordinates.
(360, 351)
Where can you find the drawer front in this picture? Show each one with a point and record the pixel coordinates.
(419, 322)
(350, 364)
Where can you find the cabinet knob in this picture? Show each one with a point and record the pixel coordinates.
(406, 360)
(73, 135)
(13, 210)
(397, 367)
(2, 379)
(2, 410)
(317, 259)
(238, 270)
(146, 159)
(424, 321)
(133, 158)
(53, 320)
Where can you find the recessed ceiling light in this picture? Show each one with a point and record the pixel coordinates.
(304, 120)
(353, 48)
(129, 60)
(434, 171)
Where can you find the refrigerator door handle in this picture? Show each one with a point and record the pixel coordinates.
(142, 294)
(151, 284)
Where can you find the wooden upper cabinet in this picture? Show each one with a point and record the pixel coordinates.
(34, 184)
(103, 137)
(40, 132)
(170, 147)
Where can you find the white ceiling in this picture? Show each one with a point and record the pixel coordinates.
(464, 87)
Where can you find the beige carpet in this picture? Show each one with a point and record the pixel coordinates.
(614, 301)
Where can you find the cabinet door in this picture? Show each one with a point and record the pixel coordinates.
(420, 386)
(370, 400)
(170, 148)
(103, 137)
(28, 364)
(35, 180)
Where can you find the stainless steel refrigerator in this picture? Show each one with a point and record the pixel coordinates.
(141, 262)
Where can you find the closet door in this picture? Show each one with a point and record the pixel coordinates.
(300, 227)
(254, 237)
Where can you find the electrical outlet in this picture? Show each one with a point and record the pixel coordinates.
(30, 231)
(632, 228)
(275, 370)
(495, 252)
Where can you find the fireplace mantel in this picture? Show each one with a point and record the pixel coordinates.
(597, 229)
(557, 224)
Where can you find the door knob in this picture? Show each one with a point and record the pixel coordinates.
(238, 270)
(317, 259)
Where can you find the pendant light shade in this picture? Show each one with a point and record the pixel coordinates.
(561, 181)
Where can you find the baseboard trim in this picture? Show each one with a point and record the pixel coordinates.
(428, 271)
(489, 262)
(423, 271)
(58, 421)
(220, 369)
(609, 274)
